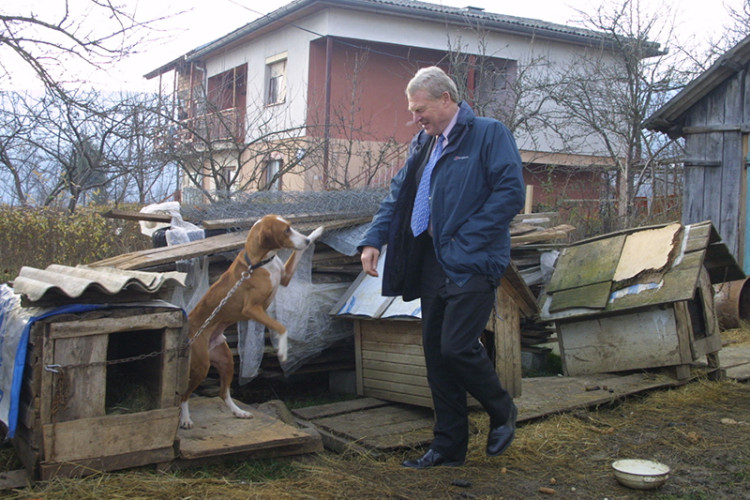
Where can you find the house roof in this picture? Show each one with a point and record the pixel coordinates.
(404, 8)
(669, 117)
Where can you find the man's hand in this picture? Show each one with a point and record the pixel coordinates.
(370, 260)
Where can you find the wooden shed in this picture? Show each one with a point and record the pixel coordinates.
(712, 114)
(388, 341)
(640, 298)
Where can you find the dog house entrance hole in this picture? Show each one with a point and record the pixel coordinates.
(698, 315)
(134, 386)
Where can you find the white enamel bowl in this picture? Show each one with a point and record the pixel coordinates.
(640, 474)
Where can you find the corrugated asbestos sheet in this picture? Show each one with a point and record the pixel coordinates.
(63, 283)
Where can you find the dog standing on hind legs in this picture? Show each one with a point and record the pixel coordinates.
(249, 301)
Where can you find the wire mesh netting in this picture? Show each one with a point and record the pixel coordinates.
(304, 306)
(349, 204)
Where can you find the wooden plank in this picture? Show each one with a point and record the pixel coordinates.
(27, 453)
(507, 337)
(684, 330)
(130, 215)
(14, 479)
(414, 350)
(396, 387)
(554, 233)
(165, 255)
(711, 341)
(543, 396)
(409, 336)
(641, 339)
(382, 421)
(111, 435)
(735, 360)
(593, 262)
(394, 377)
(401, 359)
(593, 296)
(697, 236)
(153, 321)
(81, 468)
(360, 429)
(218, 432)
(229, 242)
(79, 392)
(332, 409)
(514, 285)
(358, 355)
(411, 399)
(406, 369)
(175, 366)
(394, 426)
(732, 171)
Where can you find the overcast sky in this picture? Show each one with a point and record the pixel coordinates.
(201, 21)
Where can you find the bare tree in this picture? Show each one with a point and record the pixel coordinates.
(89, 147)
(61, 43)
(223, 146)
(608, 93)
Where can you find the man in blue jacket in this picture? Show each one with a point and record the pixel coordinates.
(446, 225)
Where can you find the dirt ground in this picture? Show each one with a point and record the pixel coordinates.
(700, 430)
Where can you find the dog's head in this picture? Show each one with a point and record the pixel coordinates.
(272, 232)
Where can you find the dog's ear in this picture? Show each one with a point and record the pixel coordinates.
(265, 237)
(269, 234)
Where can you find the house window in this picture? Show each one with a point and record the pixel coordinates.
(273, 178)
(276, 79)
(224, 179)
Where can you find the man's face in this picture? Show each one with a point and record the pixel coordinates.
(433, 115)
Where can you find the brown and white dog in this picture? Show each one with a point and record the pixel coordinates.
(248, 302)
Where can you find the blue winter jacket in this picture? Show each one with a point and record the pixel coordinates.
(477, 189)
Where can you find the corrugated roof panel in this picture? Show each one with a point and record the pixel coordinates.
(73, 282)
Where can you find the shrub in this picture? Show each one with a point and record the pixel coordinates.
(38, 237)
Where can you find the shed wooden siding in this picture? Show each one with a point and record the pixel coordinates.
(715, 185)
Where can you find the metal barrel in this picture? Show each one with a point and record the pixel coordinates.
(732, 302)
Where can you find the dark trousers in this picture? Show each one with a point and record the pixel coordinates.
(453, 319)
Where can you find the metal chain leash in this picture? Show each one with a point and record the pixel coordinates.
(56, 368)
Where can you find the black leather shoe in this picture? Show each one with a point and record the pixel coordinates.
(500, 438)
(431, 459)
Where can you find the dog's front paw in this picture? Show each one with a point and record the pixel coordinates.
(316, 234)
(242, 414)
(185, 421)
(281, 352)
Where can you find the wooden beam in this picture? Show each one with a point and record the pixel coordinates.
(128, 215)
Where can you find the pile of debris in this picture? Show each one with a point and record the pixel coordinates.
(345, 216)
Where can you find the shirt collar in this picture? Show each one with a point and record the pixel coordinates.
(451, 124)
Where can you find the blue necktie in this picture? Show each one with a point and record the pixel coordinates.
(420, 215)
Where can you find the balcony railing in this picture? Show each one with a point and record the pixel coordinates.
(227, 125)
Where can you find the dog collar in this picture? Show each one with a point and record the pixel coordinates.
(252, 266)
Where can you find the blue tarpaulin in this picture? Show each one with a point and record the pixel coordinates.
(15, 325)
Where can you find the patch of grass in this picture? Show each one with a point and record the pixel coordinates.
(8, 458)
(250, 471)
(551, 367)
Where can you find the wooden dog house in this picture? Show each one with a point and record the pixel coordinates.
(104, 369)
(388, 341)
(639, 299)
(82, 410)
